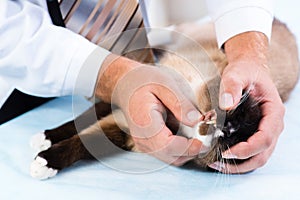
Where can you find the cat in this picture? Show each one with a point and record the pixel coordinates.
(62, 146)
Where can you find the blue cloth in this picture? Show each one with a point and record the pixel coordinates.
(278, 179)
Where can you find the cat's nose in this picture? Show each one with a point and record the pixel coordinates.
(226, 131)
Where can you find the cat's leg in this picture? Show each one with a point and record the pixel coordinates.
(42, 141)
(60, 155)
(90, 143)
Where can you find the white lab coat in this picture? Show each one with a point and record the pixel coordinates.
(41, 59)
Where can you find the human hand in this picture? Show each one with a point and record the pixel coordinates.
(246, 70)
(142, 92)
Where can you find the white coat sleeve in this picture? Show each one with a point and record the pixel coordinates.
(41, 59)
(232, 17)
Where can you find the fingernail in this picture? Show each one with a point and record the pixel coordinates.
(227, 155)
(217, 166)
(226, 100)
(193, 116)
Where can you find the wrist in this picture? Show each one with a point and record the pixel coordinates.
(112, 70)
(247, 47)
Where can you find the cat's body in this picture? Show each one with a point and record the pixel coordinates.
(62, 146)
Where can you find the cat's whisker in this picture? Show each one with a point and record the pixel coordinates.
(224, 170)
(234, 163)
(228, 149)
(261, 96)
(219, 172)
(258, 100)
(244, 97)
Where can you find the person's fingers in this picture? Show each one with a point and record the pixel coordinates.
(182, 160)
(237, 77)
(181, 146)
(258, 143)
(166, 143)
(180, 150)
(247, 166)
(270, 127)
(144, 114)
(170, 148)
(231, 88)
(150, 133)
(178, 104)
(150, 80)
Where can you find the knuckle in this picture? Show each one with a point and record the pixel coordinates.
(168, 151)
(231, 82)
(230, 77)
(194, 148)
(245, 154)
(281, 114)
(282, 110)
(177, 105)
(181, 102)
(267, 142)
(280, 127)
(261, 161)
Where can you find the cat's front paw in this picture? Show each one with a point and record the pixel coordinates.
(39, 169)
(39, 142)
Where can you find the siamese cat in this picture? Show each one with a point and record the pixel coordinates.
(62, 146)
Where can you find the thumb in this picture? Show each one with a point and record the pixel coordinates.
(231, 88)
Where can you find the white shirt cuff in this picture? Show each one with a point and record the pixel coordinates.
(243, 20)
(83, 77)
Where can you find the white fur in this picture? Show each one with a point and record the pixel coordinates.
(39, 170)
(193, 132)
(218, 133)
(39, 142)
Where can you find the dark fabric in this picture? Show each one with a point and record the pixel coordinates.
(54, 12)
(18, 102)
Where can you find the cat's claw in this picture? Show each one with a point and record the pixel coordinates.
(39, 169)
(39, 142)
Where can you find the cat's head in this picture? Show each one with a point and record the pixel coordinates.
(236, 126)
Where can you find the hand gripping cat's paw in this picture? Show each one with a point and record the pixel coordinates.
(39, 169)
(39, 142)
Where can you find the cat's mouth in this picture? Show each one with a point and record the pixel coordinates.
(224, 131)
(217, 143)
